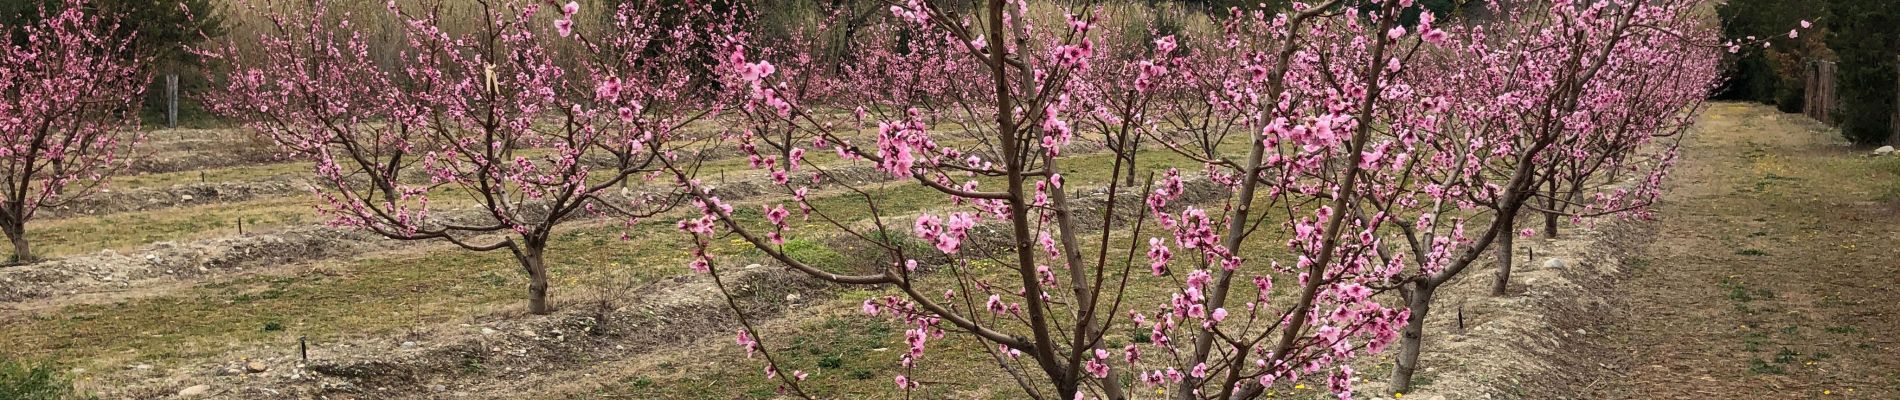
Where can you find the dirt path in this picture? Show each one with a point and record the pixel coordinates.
(1773, 272)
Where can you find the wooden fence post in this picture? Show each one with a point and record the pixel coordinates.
(171, 100)
(1828, 96)
(1811, 103)
(1820, 95)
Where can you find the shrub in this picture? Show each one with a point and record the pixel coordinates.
(1790, 93)
(23, 381)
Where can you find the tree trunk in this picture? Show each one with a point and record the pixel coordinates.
(1412, 338)
(1550, 218)
(22, 252)
(537, 281)
(1505, 257)
(1134, 144)
(785, 154)
(1550, 225)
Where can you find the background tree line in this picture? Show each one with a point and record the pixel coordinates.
(1863, 37)
(164, 28)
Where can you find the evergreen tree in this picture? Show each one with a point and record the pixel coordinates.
(1866, 36)
(1774, 75)
(165, 28)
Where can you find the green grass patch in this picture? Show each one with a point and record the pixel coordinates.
(32, 381)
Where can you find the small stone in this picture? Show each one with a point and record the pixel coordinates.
(408, 344)
(792, 297)
(1554, 263)
(1883, 150)
(488, 330)
(194, 391)
(256, 367)
(185, 197)
(751, 266)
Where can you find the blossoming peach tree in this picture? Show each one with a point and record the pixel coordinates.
(1005, 127)
(1353, 150)
(69, 91)
(1565, 95)
(529, 120)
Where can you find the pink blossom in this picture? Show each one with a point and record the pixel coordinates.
(745, 340)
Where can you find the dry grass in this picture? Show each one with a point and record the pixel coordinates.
(125, 231)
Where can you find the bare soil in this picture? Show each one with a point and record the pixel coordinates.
(174, 150)
(180, 195)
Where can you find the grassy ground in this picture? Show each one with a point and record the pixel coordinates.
(1773, 273)
(241, 173)
(368, 297)
(1770, 250)
(850, 355)
(123, 231)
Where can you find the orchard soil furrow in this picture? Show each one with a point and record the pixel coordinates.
(113, 271)
(516, 352)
